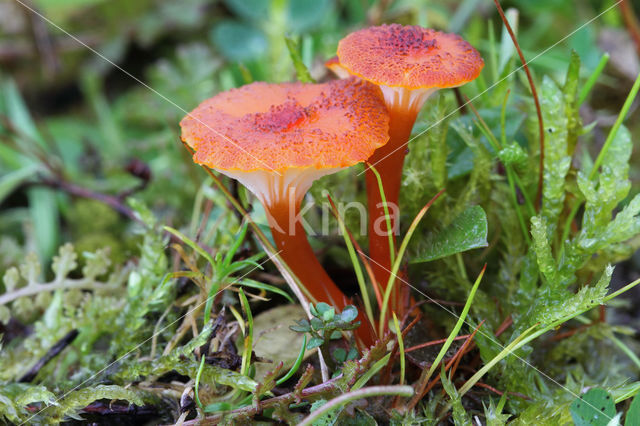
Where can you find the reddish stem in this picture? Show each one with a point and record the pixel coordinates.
(631, 21)
(293, 246)
(388, 160)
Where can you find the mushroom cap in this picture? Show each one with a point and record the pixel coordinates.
(412, 57)
(275, 127)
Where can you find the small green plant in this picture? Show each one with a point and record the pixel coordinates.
(327, 325)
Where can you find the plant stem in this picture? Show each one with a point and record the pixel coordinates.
(33, 289)
(355, 395)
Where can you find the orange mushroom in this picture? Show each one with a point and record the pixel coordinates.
(278, 139)
(408, 63)
(334, 65)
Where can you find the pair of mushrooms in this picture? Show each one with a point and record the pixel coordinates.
(277, 139)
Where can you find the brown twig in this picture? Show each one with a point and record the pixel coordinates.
(43, 41)
(433, 343)
(467, 346)
(325, 388)
(70, 188)
(451, 366)
(631, 21)
(569, 333)
(504, 326)
(536, 100)
(114, 202)
(51, 353)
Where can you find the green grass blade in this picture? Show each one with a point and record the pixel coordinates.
(456, 328)
(383, 198)
(364, 292)
(614, 130)
(188, 241)
(396, 265)
(372, 371)
(296, 365)
(301, 69)
(248, 340)
(400, 347)
(267, 287)
(591, 81)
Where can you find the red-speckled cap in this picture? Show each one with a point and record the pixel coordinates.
(275, 127)
(409, 56)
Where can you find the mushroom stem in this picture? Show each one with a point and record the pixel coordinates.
(388, 161)
(291, 240)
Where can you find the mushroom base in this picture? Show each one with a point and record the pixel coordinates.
(281, 195)
(294, 248)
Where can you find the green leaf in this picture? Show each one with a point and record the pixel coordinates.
(633, 414)
(612, 184)
(314, 342)
(12, 180)
(552, 307)
(340, 354)
(594, 408)
(43, 209)
(349, 313)
(78, 399)
(322, 308)
(513, 154)
(301, 15)
(466, 232)
(542, 248)
(328, 315)
(302, 327)
(238, 41)
(217, 407)
(556, 158)
(317, 324)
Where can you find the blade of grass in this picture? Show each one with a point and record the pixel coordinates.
(356, 265)
(248, 340)
(398, 260)
(400, 347)
(188, 241)
(614, 130)
(301, 69)
(296, 364)
(527, 336)
(267, 287)
(456, 329)
(591, 81)
(387, 216)
(493, 53)
(353, 396)
(451, 366)
(372, 371)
